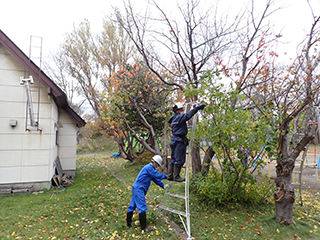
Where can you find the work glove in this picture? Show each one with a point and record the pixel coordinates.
(166, 186)
(201, 107)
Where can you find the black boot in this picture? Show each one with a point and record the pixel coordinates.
(176, 174)
(170, 172)
(143, 222)
(129, 218)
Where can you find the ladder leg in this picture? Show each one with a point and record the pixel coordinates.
(186, 214)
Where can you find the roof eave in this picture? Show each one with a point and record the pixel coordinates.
(59, 95)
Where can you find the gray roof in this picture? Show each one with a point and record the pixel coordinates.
(59, 96)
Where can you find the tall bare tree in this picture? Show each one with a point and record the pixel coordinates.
(86, 60)
(179, 49)
(287, 96)
(300, 97)
(56, 69)
(81, 63)
(115, 47)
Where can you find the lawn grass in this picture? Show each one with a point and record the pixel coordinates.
(94, 207)
(256, 222)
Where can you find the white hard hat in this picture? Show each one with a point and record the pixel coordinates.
(157, 159)
(177, 106)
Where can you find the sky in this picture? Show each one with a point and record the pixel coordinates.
(20, 19)
(51, 20)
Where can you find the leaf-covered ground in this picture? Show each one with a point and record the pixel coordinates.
(94, 207)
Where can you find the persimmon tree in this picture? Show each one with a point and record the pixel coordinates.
(236, 130)
(177, 49)
(134, 110)
(295, 94)
(283, 97)
(287, 97)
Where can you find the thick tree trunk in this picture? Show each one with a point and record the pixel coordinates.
(196, 159)
(284, 194)
(207, 160)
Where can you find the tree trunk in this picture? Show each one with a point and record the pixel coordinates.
(207, 160)
(284, 194)
(196, 159)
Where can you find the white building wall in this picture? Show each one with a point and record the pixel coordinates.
(67, 143)
(25, 156)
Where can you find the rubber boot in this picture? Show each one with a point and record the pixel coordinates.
(176, 174)
(129, 218)
(143, 222)
(170, 172)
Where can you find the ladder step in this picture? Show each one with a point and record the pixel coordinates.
(296, 171)
(295, 183)
(173, 210)
(176, 195)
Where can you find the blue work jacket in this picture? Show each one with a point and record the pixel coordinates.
(178, 124)
(148, 173)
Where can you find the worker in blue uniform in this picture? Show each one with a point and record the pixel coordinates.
(140, 188)
(179, 141)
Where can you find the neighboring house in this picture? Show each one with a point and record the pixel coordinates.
(37, 126)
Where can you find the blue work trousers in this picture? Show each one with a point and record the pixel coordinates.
(138, 201)
(178, 153)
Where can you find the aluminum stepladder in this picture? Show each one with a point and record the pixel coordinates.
(185, 197)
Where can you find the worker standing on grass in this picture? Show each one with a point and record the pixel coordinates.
(179, 141)
(140, 188)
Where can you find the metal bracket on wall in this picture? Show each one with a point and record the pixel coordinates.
(27, 82)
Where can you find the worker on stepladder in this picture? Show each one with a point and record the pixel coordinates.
(140, 188)
(179, 141)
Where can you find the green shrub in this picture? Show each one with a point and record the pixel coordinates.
(214, 189)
